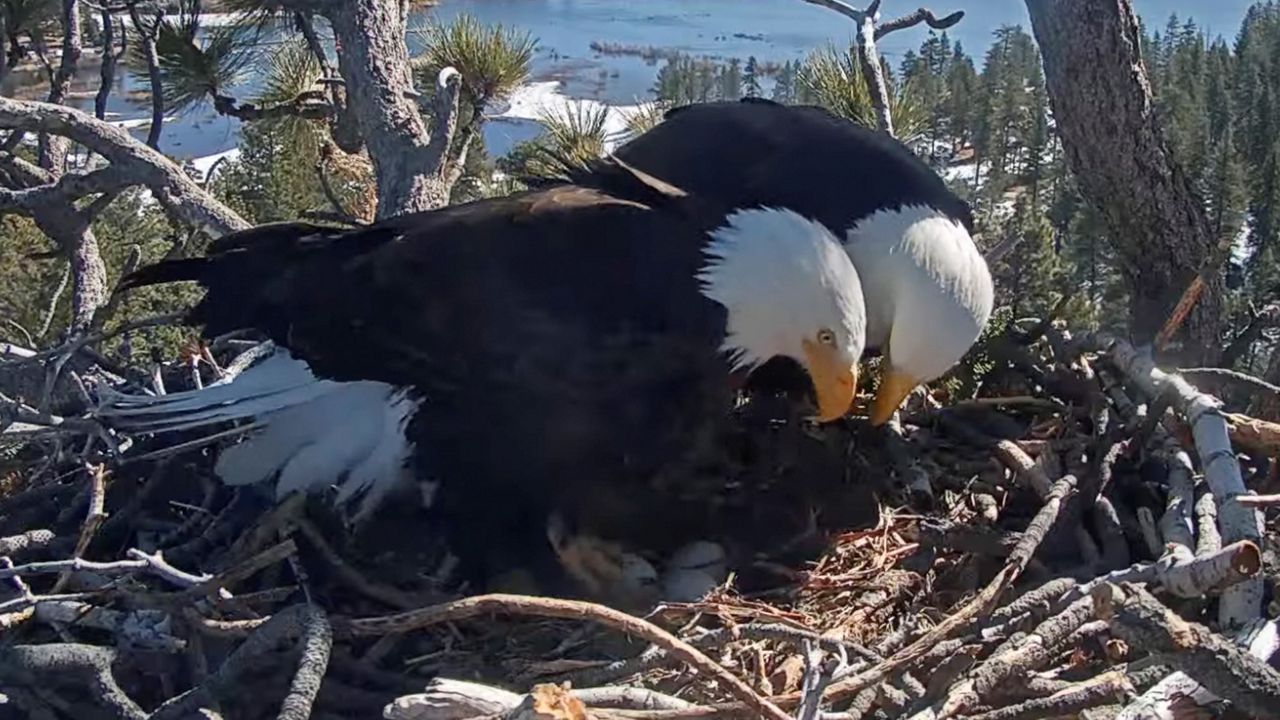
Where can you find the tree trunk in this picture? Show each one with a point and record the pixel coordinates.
(374, 62)
(109, 58)
(4, 48)
(68, 227)
(1101, 100)
(53, 150)
(147, 36)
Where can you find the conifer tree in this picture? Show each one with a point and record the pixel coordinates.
(750, 79)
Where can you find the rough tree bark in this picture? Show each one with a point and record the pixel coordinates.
(55, 215)
(131, 162)
(409, 165)
(1102, 103)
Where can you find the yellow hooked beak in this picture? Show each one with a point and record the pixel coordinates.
(834, 381)
(895, 386)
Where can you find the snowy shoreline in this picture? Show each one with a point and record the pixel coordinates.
(536, 100)
(531, 101)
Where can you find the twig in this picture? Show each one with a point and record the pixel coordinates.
(87, 339)
(1217, 663)
(94, 517)
(775, 631)
(564, 609)
(222, 580)
(1258, 501)
(141, 561)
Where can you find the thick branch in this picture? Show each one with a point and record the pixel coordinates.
(921, 15)
(184, 199)
(1217, 663)
(308, 106)
(71, 186)
(1243, 601)
(83, 666)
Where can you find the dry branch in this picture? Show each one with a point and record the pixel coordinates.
(1243, 601)
(317, 642)
(1217, 663)
(1105, 689)
(139, 628)
(1262, 641)
(84, 666)
(564, 609)
(1033, 653)
(31, 540)
(137, 164)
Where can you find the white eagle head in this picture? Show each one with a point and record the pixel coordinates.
(791, 291)
(929, 296)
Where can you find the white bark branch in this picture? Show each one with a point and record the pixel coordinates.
(1242, 602)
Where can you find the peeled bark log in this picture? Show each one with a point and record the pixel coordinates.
(1242, 602)
(1215, 662)
(1102, 104)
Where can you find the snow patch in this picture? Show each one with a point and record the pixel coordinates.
(964, 172)
(535, 100)
(206, 163)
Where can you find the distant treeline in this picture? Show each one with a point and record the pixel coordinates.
(652, 54)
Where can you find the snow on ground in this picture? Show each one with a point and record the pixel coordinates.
(535, 100)
(965, 172)
(206, 163)
(207, 20)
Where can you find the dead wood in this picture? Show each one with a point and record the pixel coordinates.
(565, 609)
(84, 667)
(1103, 690)
(1243, 601)
(1033, 653)
(1217, 663)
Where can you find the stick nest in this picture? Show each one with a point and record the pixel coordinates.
(1047, 546)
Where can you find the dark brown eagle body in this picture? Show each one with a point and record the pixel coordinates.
(556, 342)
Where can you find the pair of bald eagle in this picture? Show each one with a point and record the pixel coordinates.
(536, 357)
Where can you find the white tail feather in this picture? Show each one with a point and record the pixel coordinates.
(314, 433)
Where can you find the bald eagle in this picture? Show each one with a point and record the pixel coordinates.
(928, 290)
(526, 355)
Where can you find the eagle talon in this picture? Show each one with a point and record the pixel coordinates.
(602, 568)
